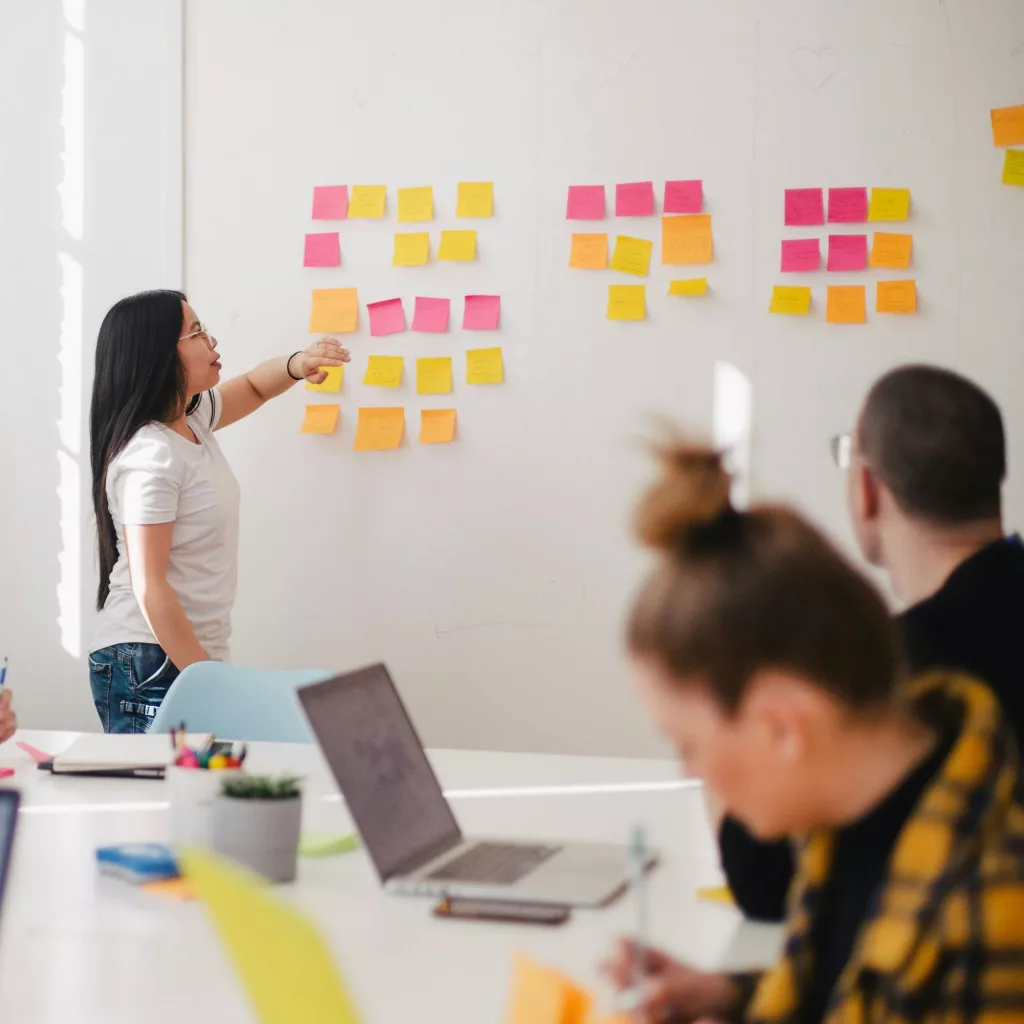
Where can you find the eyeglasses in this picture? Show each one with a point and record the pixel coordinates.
(840, 447)
(202, 331)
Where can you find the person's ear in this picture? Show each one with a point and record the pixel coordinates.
(868, 490)
(779, 708)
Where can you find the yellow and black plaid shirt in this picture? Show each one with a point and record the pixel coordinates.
(944, 941)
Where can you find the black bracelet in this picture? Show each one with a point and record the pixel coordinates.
(288, 365)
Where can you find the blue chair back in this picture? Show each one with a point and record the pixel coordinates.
(236, 703)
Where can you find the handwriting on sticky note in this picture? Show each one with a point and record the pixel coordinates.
(891, 251)
(434, 376)
(800, 255)
(586, 202)
(437, 426)
(323, 249)
(475, 199)
(589, 252)
(846, 304)
(896, 297)
(481, 313)
(683, 196)
(335, 310)
(686, 239)
(889, 204)
(689, 286)
(847, 252)
(384, 371)
(627, 301)
(411, 250)
(634, 199)
(367, 201)
(1013, 167)
(386, 317)
(415, 204)
(632, 255)
(431, 315)
(1008, 126)
(847, 205)
(379, 429)
(458, 246)
(331, 383)
(484, 366)
(790, 300)
(320, 419)
(330, 202)
(805, 206)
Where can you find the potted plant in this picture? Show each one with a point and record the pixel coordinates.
(256, 822)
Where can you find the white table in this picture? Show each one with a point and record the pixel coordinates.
(80, 948)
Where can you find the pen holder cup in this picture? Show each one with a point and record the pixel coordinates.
(192, 793)
(261, 834)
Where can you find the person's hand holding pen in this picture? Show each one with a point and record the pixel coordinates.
(8, 719)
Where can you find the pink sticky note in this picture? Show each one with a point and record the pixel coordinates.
(322, 250)
(800, 254)
(805, 206)
(431, 315)
(330, 202)
(847, 205)
(387, 317)
(683, 196)
(586, 202)
(635, 199)
(482, 312)
(847, 252)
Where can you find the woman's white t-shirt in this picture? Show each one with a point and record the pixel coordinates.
(160, 477)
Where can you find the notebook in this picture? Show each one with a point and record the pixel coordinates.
(141, 754)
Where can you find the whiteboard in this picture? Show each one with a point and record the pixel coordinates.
(492, 574)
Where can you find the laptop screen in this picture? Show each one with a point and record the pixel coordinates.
(378, 761)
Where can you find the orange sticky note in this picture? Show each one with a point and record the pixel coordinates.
(332, 382)
(846, 304)
(541, 995)
(589, 252)
(896, 297)
(484, 366)
(178, 889)
(379, 429)
(686, 239)
(1008, 126)
(891, 251)
(335, 310)
(320, 419)
(437, 426)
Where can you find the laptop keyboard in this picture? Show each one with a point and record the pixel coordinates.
(493, 863)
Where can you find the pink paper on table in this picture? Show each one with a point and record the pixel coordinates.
(634, 199)
(805, 206)
(386, 317)
(800, 254)
(330, 202)
(847, 252)
(322, 250)
(847, 205)
(482, 312)
(683, 196)
(586, 202)
(431, 315)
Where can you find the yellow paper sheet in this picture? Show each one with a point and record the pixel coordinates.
(459, 246)
(891, 251)
(437, 426)
(1008, 126)
(367, 201)
(686, 239)
(627, 301)
(379, 429)
(476, 199)
(284, 964)
(541, 995)
(411, 250)
(484, 366)
(689, 286)
(415, 204)
(434, 376)
(791, 300)
(335, 375)
(589, 252)
(896, 297)
(846, 304)
(321, 419)
(1013, 167)
(335, 310)
(889, 204)
(632, 255)
(384, 371)
(716, 894)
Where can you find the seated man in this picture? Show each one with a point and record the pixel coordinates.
(925, 468)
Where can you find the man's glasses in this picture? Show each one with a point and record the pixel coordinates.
(839, 446)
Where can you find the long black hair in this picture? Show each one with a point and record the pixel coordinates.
(139, 379)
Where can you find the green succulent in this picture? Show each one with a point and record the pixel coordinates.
(261, 787)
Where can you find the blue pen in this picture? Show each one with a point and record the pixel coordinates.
(3, 674)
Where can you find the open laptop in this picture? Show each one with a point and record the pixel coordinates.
(9, 801)
(406, 824)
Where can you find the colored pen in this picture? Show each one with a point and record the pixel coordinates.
(3, 674)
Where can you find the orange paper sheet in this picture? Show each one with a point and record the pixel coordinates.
(321, 419)
(589, 252)
(1008, 126)
(890, 251)
(379, 429)
(686, 239)
(846, 304)
(896, 297)
(335, 310)
(437, 426)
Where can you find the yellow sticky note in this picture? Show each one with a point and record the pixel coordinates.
(632, 255)
(384, 371)
(484, 366)
(896, 297)
(627, 301)
(320, 419)
(437, 426)
(476, 199)
(367, 201)
(335, 375)
(459, 246)
(434, 376)
(791, 300)
(689, 286)
(411, 250)
(415, 204)
(1013, 167)
(891, 251)
(686, 239)
(379, 429)
(716, 894)
(1008, 126)
(335, 310)
(590, 252)
(541, 995)
(283, 962)
(846, 304)
(889, 204)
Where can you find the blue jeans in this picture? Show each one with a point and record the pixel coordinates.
(129, 682)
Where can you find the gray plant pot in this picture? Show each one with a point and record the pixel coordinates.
(261, 834)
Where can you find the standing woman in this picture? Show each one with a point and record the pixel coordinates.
(165, 499)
